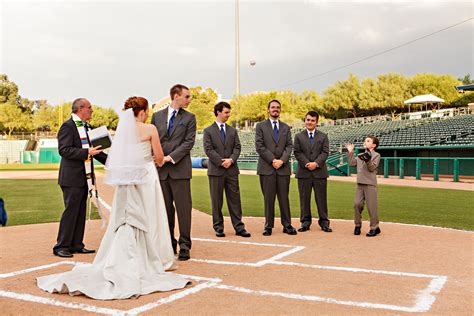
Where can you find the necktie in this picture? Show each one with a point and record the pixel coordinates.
(275, 131)
(171, 122)
(311, 139)
(222, 133)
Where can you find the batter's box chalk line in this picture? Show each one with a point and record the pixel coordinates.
(423, 301)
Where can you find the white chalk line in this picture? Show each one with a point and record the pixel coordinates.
(424, 299)
(356, 270)
(46, 266)
(243, 242)
(317, 299)
(210, 282)
(171, 298)
(53, 302)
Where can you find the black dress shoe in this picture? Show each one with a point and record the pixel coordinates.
(326, 229)
(220, 233)
(267, 232)
(303, 228)
(63, 253)
(357, 230)
(290, 230)
(373, 232)
(243, 233)
(83, 250)
(183, 255)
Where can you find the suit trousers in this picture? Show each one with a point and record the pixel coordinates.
(305, 188)
(276, 186)
(73, 220)
(177, 193)
(369, 194)
(217, 185)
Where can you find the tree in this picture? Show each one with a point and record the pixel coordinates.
(440, 85)
(466, 79)
(202, 105)
(12, 118)
(104, 116)
(8, 90)
(343, 97)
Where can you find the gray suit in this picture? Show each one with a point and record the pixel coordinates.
(309, 180)
(175, 178)
(274, 183)
(220, 178)
(366, 188)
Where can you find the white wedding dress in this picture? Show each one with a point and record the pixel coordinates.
(135, 251)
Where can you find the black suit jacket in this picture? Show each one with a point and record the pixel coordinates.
(178, 145)
(317, 152)
(72, 172)
(216, 150)
(268, 149)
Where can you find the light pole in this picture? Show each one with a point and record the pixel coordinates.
(237, 50)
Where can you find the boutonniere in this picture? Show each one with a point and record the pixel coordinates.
(181, 123)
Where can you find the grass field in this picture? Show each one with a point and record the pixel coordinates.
(40, 201)
(39, 167)
(33, 201)
(434, 207)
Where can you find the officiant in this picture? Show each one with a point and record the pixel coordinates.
(76, 178)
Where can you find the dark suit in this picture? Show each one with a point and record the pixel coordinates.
(309, 180)
(220, 178)
(73, 182)
(175, 178)
(274, 183)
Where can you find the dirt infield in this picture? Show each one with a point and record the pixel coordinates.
(406, 269)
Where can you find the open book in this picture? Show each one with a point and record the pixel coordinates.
(100, 136)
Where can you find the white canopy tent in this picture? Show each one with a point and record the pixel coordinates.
(423, 99)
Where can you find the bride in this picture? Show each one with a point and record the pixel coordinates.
(136, 249)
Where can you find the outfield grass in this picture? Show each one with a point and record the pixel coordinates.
(37, 167)
(434, 207)
(40, 201)
(33, 201)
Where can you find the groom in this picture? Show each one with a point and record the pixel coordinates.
(177, 129)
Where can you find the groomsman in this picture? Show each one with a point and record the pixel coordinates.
(273, 144)
(311, 150)
(222, 146)
(177, 129)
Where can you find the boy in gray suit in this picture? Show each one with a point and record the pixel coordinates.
(222, 146)
(367, 164)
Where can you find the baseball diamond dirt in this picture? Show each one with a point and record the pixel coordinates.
(406, 269)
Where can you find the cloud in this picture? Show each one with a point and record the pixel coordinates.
(187, 51)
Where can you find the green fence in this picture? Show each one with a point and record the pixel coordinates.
(433, 167)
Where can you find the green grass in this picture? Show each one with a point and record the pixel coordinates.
(36, 167)
(40, 201)
(434, 207)
(33, 201)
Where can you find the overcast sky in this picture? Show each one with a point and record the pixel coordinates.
(107, 51)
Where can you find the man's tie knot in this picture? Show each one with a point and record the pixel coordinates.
(311, 137)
